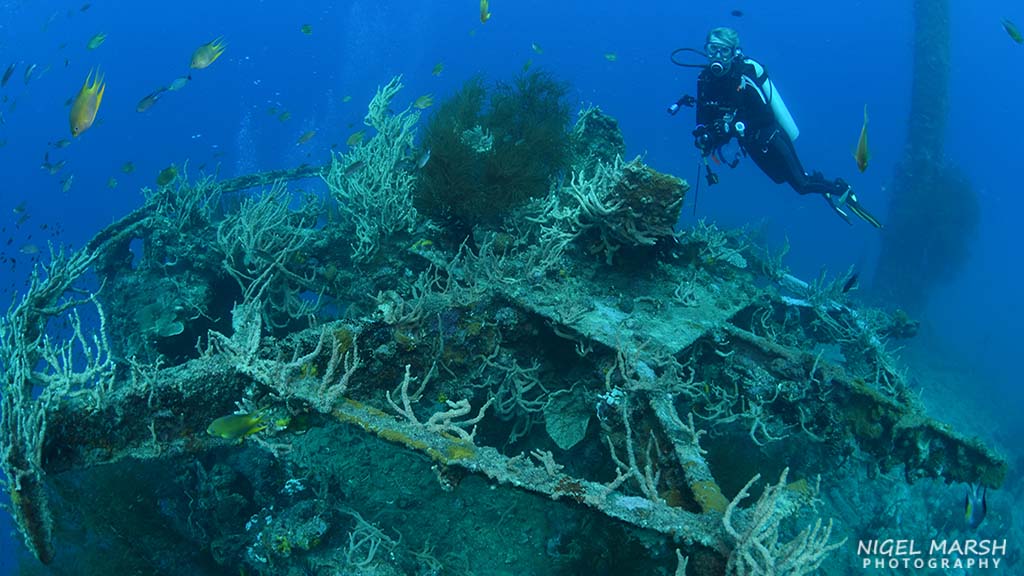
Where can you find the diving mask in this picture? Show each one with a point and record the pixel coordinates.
(717, 51)
(719, 55)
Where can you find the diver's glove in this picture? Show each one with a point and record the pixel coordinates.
(845, 198)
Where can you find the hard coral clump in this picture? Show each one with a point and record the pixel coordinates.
(491, 150)
(630, 204)
(653, 198)
(595, 138)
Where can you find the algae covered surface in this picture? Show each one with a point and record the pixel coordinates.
(569, 385)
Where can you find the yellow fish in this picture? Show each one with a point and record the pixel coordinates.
(150, 99)
(485, 10)
(423, 102)
(861, 154)
(356, 139)
(306, 137)
(611, 56)
(96, 41)
(237, 426)
(438, 68)
(167, 175)
(87, 103)
(208, 53)
(307, 29)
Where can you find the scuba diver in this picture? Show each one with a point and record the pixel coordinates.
(735, 98)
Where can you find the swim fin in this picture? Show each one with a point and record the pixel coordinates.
(836, 206)
(859, 210)
(849, 199)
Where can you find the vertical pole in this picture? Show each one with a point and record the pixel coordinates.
(933, 211)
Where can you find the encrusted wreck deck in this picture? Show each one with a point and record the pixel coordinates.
(666, 370)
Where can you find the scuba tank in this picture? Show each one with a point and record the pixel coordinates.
(779, 110)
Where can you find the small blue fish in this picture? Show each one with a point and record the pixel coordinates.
(423, 159)
(975, 508)
(1010, 28)
(851, 283)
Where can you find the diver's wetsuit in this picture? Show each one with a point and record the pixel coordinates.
(744, 95)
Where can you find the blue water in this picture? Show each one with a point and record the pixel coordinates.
(828, 59)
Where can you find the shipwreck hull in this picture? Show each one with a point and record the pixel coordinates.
(575, 389)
